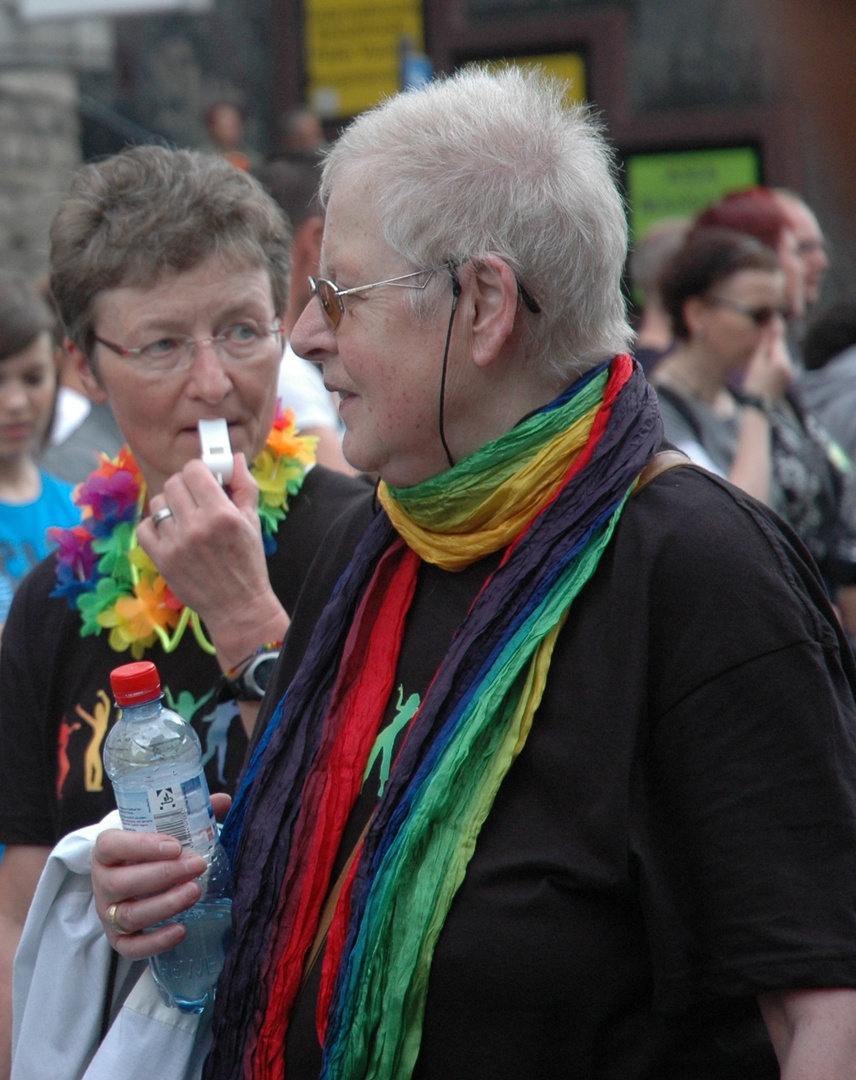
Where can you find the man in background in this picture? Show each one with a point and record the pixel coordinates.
(654, 330)
(811, 246)
(294, 186)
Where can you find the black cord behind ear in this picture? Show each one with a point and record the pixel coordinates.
(456, 293)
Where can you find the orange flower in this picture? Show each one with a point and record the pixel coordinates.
(283, 440)
(134, 619)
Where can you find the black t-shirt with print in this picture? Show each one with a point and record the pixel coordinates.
(678, 834)
(55, 700)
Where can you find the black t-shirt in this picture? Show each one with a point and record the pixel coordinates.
(55, 700)
(678, 834)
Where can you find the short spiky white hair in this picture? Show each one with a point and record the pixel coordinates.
(497, 163)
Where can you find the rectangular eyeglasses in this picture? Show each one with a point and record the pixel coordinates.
(245, 341)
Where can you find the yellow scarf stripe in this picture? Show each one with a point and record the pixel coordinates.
(498, 519)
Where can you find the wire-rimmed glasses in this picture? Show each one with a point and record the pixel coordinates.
(330, 295)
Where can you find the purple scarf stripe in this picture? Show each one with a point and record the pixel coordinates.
(277, 786)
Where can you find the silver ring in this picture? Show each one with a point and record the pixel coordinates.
(161, 515)
(114, 922)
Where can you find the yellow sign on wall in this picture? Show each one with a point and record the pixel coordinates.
(569, 67)
(354, 49)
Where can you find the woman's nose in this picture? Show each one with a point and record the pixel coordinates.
(15, 397)
(311, 333)
(209, 375)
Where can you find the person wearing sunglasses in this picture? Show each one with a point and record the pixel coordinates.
(723, 292)
(527, 800)
(727, 397)
(757, 212)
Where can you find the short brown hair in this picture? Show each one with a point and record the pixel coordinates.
(707, 257)
(24, 314)
(151, 211)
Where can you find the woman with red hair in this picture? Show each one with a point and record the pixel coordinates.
(758, 212)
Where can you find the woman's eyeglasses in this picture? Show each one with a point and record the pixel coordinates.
(245, 341)
(760, 316)
(330, 296)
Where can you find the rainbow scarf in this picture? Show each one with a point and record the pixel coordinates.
(573, 464)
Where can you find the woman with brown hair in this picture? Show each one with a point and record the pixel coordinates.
(725, 391)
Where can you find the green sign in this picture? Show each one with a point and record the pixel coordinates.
(684, 182)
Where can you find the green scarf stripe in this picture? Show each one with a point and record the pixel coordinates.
(437, 501)
(387, 978)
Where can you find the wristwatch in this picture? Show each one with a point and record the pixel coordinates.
(753, 401)
(251, 684)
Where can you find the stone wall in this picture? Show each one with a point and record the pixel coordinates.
(39, 147)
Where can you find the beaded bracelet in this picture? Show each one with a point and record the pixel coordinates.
(233, 672)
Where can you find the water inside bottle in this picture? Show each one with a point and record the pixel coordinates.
(186, 975)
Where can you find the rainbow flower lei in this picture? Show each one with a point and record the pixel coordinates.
(102, 571)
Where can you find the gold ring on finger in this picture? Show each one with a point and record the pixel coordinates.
(114, 922)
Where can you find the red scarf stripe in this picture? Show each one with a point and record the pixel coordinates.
(366, 677)
(336, 938)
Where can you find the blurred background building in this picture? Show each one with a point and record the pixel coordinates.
(698, 98)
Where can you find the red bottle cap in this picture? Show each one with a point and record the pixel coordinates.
(135, 683)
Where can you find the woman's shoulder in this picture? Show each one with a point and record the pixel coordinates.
(331, 510)
(58, 494)
(692, 533)
(690, 509)
(701, 580)
(53, 483)
(33, 595)
(325, 497)
(27, 523)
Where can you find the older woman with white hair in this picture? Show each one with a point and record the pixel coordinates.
(535, 804)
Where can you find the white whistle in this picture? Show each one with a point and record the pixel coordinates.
(216, 448)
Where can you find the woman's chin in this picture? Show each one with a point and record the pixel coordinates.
(356, 454)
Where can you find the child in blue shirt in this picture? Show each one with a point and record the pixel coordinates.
(31, 500)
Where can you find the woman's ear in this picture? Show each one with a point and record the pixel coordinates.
(85, 373)
(493, 295)
(695, 316)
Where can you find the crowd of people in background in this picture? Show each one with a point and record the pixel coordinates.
(744, 357)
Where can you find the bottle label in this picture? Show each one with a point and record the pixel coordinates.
(180, 809)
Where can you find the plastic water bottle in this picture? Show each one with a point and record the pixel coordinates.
(154, 761)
